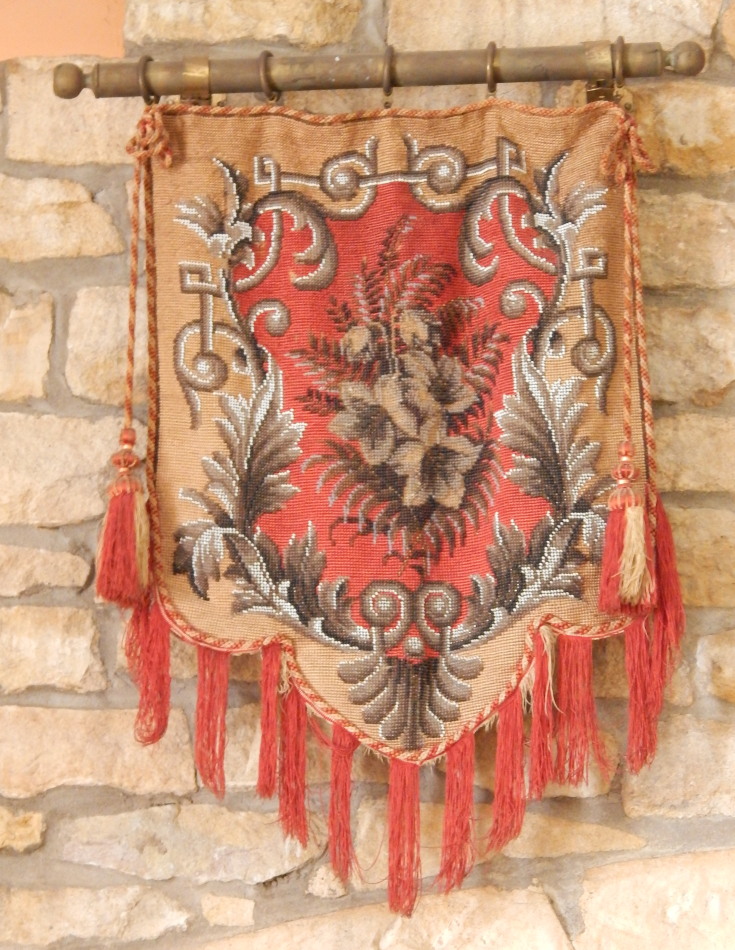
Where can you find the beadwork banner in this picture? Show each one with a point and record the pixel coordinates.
(395, 358)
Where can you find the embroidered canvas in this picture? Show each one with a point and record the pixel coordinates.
(400, 442)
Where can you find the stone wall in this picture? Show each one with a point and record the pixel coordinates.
(107, 844)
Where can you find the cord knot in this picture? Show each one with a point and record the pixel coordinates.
(151, 138)
(626, 152)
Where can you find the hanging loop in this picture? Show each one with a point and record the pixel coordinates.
(388, 74)
(492, 83)
(271, 94)
(143, 84)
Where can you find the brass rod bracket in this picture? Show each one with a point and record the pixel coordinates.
(195, 79)
(611, 87)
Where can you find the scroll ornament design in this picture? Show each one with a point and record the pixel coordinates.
(394, 368)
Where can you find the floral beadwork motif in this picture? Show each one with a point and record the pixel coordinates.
(412, 385)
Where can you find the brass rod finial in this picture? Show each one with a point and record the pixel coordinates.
(686, 59)
(68, 80)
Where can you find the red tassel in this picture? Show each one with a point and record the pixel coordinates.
(404, 845)
(609, 597)
(270, 678)
(542, 721)
(458, 852)
(669, 619)
(509, 803)
(625, 580)
(148, 651)
(641, 710)
(122, 554)
(210, 730)
(341, 852)
(292, 776)
(577, 732)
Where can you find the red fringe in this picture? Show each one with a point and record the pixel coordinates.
(609, 597)
(404, 845)
(341, 852)
(148, 650)
(542, 721)
(118, 579)
(577, 732)
(292, 776)
(509, 804)
(458, 852)
(270, 677)
(669, 617)
(210, 730)
(642, 710)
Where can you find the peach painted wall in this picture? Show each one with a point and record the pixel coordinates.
(61, 27)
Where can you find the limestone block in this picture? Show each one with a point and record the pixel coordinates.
(691, 775)
(125, 914)
(51, 217)
(545, 836)
(716, 660)
(611, 680)
(47, 748)
(482, 917)
(54, 469)
(542, 836)
(44, 128)
(540, 24)
(97, 344)
(222, 911)
(201, 842)
(597, 783)
(23, 570)
(25, 339)
(243, 750)
(325, 883)
(727, 30)
(21, 831)
(705, 545)
(678, 902)
(49, 646)
(306, 23)
(688, 127)
(696, 452)
(691, 353)
(686, 240)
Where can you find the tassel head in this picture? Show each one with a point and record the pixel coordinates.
(122, 555)
(626, 583)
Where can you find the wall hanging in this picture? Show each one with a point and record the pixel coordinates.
(400, 442)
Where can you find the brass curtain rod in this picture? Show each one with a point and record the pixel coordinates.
(198, 77)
